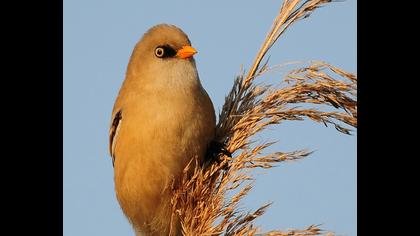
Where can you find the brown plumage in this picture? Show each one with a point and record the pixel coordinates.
(162, 118)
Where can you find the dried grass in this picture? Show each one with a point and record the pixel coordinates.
(208, 196)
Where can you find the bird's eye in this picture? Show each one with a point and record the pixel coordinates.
(159, 52)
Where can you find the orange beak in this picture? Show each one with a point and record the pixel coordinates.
(186, 52)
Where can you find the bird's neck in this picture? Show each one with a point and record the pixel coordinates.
(181, 79)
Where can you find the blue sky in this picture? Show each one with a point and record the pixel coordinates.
(99, 36)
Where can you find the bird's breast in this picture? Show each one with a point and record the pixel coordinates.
(158, 137)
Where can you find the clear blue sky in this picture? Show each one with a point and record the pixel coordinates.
(99, 36)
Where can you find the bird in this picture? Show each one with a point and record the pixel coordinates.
(161, 119)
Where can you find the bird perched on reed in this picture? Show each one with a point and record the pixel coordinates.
(161, 119)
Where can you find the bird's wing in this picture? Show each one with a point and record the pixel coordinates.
(113, 133)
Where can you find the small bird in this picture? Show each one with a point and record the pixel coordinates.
(162, 118)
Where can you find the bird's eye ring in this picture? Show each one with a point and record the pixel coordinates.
(159, 52)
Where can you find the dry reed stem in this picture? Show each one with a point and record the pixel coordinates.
(207, 197)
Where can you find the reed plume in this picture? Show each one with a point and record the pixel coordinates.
(207, 197)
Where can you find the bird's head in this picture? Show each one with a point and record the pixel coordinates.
(166, 42)
(163, 53)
